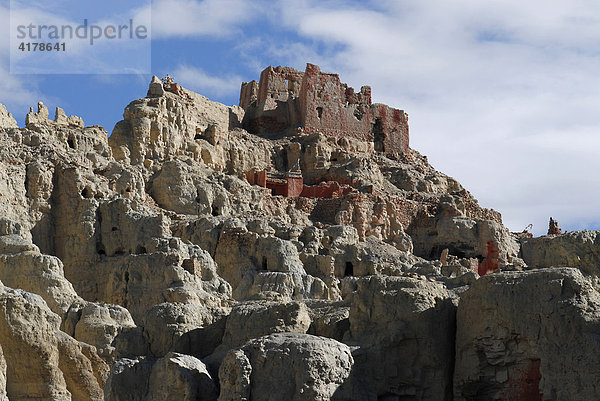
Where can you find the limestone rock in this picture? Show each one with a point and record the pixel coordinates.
(6, 119)
(181, 377)
(186, 328)
(156, 87)
(41, 361)
(61, 118)
(99, 325)
(129, 379)
(579, 249)
(41, 117)
(404, 327)
(528, 335)
(465, 237)
(39, 274)
(11, 244)
(285, 366)
(255, 319)
(3, 396)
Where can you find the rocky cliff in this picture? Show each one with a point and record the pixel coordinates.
(183, 257)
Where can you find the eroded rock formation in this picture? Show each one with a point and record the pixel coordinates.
(159, 263)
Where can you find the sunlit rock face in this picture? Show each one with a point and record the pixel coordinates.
(293, 248)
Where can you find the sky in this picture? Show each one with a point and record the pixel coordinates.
(503, 95)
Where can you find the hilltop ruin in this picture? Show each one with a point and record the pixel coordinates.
(286, 100)
(317, 257)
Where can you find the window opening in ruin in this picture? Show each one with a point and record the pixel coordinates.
(71, 143)
(378, 135)
(349, 271)
(264, 263)
(320, 112)
(358, 114)
(114, 229)
(86, 193)
(215, 210)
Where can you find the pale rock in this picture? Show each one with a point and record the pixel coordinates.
(39, 274)
(250, 320)
(41, 117)
(61, 118)
(329, 318)
(465, 237)
(156, 87)
(138, 282)
(41, 360)
(11, 244)
(6, 119)
(285, 366)
(128, 227)
(199, 191)
(234, 376)
(240, 253)
(181, 377)
(282, 286)
(528, 335)
(579, 249)
(100, 324)
(3, 396)
(158, 128)
(185, 328)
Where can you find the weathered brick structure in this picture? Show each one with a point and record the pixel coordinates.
(286, 99)
(291, 184)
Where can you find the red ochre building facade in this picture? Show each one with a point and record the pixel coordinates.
(286, 99)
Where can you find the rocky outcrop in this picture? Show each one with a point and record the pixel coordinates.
(153, 264)
(285, 367)
(6, 119)
(181, 377)
(41, 361)
(404, 327)
(579, 249)
(528, 335)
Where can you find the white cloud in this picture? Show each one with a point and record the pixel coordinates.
(503, 94)
(15, 93)
(199, 18)
(199, 81)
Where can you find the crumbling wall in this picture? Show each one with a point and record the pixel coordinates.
(286, 99)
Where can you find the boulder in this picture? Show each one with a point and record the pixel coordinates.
(250, 320)
(528, 336)
(285, 366)
(181, 377)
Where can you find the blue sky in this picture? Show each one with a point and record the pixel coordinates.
(502, 95)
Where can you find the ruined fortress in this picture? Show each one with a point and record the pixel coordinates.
(286, 100)
(184, 258)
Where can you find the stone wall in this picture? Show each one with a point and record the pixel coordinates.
(286, 99)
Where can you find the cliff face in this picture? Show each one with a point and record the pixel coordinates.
(163, 263)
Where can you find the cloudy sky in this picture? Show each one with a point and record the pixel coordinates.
(502, 95)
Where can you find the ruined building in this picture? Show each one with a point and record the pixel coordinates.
(286, 100)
